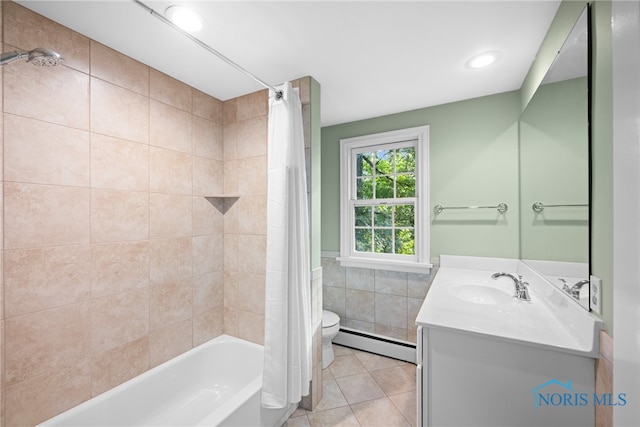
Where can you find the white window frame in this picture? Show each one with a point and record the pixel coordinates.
(349, 147)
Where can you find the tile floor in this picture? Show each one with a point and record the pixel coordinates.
(363, 389)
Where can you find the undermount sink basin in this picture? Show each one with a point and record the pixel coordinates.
(464, 297)
(481, 294)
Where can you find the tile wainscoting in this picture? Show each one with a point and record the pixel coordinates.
(376, 301)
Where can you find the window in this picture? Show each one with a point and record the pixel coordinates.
(383, 200)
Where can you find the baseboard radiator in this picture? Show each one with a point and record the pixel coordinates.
(378, 344)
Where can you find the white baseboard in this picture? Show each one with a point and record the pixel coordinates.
(378, 344)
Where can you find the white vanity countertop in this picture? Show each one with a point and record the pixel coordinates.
(464, 297)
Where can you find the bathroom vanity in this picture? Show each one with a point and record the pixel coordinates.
(488, 358)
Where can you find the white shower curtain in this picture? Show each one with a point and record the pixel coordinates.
(287, 341)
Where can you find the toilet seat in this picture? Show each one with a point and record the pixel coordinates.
(329, 319)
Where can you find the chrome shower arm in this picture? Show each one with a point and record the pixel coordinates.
(8, 57)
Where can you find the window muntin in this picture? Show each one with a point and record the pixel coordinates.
(384, 194)
(384, 206)
(386, 173)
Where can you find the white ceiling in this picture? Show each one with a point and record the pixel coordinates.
(371, 57)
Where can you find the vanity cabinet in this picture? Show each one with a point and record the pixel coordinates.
(487, 358)
(471, 380)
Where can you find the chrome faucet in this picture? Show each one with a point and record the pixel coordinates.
(522, 288)
(574, 291)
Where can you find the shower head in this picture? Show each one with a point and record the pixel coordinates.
(38, 56)
(44, 57)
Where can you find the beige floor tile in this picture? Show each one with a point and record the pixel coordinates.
(302, 421)
(339, 350)
(299, 412)
(326, 374)
(394, 380)
(380, 412)
(406, 404)
(359, 388)
(409, 368)
(354, 390)
(339, 417)
(373, 362)
(348, 364)
(332, 397)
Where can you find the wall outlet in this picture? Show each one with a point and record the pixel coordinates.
(595, 294)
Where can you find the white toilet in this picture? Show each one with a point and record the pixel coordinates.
(330, 328)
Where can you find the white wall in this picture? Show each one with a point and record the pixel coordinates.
(626, 200)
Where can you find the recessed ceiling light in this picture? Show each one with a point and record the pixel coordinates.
(184, 18)
(483, 59)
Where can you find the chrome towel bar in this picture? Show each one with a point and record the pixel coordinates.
(539, 206)
(502, 207)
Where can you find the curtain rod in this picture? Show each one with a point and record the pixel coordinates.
(278, 93)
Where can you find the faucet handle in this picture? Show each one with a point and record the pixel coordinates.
(523, 292)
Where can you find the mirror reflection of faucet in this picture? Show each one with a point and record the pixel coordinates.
(522, 288)
(574, 290)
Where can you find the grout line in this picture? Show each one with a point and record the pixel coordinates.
(386, 395)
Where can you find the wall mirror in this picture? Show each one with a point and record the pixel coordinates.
(554, 169)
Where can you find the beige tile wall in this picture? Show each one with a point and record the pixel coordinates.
(375, 301)
(113, 259)
(245, 230)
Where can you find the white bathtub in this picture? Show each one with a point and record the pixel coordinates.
(215, 384)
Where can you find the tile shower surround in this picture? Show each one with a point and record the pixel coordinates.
(378, 301)
(113, 261)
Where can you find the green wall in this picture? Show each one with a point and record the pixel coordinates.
(473, 161)
(602, 159)
(554, 169)
(561, 26)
